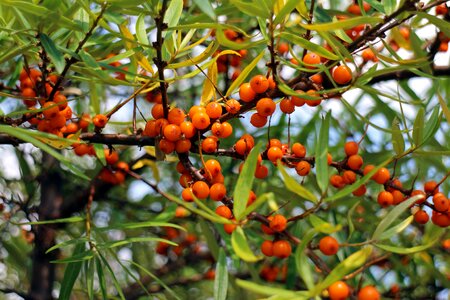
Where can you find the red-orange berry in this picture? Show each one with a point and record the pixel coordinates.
(385, 198)
(157, 111)
(200, 189)
(337, 181)
(421, 217)
(187, 194)
(282, 249)
(214, 110)
(176, 116)
(299, 150)
(278, 223)
(99, 120)
(328, 245)
(183, 145)
(201, 120)
(267, 248)
(196, 109)
(312, 102)
(188, 129)
(166, 146)
(259, 84)
(217, 191)
(355, 162)
(368, 293)
(257, 120)
(311, 59)
(339, 291)
(51, 110)
(274, 154)
(351, 148)
(349, 177)
(382, 176)
(111, 157)
(342, 75)
(224, 211)
(261, 172)
(213, 167)
(209, 145)
(398, 196)
(431, 187)
(287, 106)
(172, 132)
(303, 168)
(246, 93)
(265, 107)
(298, 100)
(229, 228)
(232, 106)
(441, 203)
(361, 191)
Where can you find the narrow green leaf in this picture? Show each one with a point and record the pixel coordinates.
(432, 125)
(397, 228)
(345, 267)
(67, 243)
(240, 79)
(173, 14)
(389, 6)
(71, 274)
(438, 22)
(130, 240)
(211, 241)
(322, 154)
(78, 257)
(251, 8)
(301, 260)
(418, 128)
(241, 247)
(206, 7)
(322, 226)
(403, 250)
(393, 215)
(113, 276)
(289, 6)
(306, 44)
(101, 278)
(135, 225)
(258, 202)
(351, 226)
(141, 32)
(444, 107)
(55, 55)
(272, 291)
(244, 183)
(342, 24)
(295, 187)
(89, 277)
(398, 143)
(221, 279)
(55, 221)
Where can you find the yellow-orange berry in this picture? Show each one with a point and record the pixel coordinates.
(259, 84)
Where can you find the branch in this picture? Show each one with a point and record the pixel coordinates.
(407, 74)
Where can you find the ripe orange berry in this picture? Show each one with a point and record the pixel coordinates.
(267, 248)
(278, 223)
(224, 211)
(227, 129)
(398, 196)
(385, 198)
(214, 110)
(355, 162)
(419, 192)
(209, 145)
(166, 146)
(201, 120)
(329, 159)
(382, 176)
(195, 109)
(188, 129)
(404, 32)
(183, 145)
(337, 181)
(257, 120)
(361, 191)
(299, 150)
(431, 187)
(185, 179)
(287, 106)
(111, 156)
(187, 194)
(246, 93)
(349, 177)
(282, 249)
(200, 189)
(51, 110)
(283, 48)
(122, 166)
(259, 84)
(213, 167)
(274, 154)
(297, 100)
(241, 147)
(176, 116)
(303, 168)
(441, 203)
(61, 100)
(172, 132)
(368, 55)
(441, 9)
(261, 172)
(328, 245)
(440, 219)
(160, 124)
(342, 74)
(266, 229)
(339, 291)
(312, 102)
(351, 148)
(421, 217)
(265, 107)
(217, 191)
(368, 293)
(157, 111)
(316, 78)
(311, 59)
(232, 106)
(84, 121)
(367, 169)
(99, 120)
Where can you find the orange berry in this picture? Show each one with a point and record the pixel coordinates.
(283, 48)
(278, 223)
(297, 100)
(274, 154)
(257, 120)
(200, 189)
(311, 59)
(361, 191)
(431, 187)
(172, 132)
(404, 32)
(329, 159)
(58, 121)
(185, 179)
(61, 100)
(328, 245)
(166, 146)
(440, 219)
(421, 217)
(398, 196)
(99, 120)
(337, 181)
(385, 198)
(287, 106)
(441, 9)
(303, 168)
(349, 177)
(316, 78)
(84, 120)
(188, 129)
(51, 110)
(351, 148)
(267, 248)
(368, 293)
(214, 110)
(150, 129)
(157, 111)
(241, 147)
(355, 162)
(176, 116)
(213, 167)
(368, 55)
(382, 176)
(183, 145)
(160, 124)
(232, 106)
(71, 128)
(367, 169)
(187, 194)
(261, 172)
(201, 120)
(229, 228)
(259, 84)
(227, 129)
(419, 192)
(342, 75)
(441, 203)
(209, 145)
(111, 156)
(339, 291)
(195, 109)
(81, 149)
(224, 211)
(217, 191)
(312, 102)
(299, 150)
(246, 93)
(122, 166)
(265, 107)
(282, 249)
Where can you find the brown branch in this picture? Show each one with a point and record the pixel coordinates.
(407, 74)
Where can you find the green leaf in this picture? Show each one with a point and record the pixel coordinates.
(272, 291)
(393, 215)
(418, 128)
(322, 226)
(244, 183)
(350, 188)
(113, 276)
(135, 225)
(55, 55)
(206, 7)
(342, 24)
(351, 226)
(55, 221)
(396, 229)
(142, 239)
(253, 8)
(101, 278)
(306, 44)
(173, 14)
(398, 143)
(289, 6)
(67, 243)
(438, 22)
(402, 250)
(432, 125)
(444, 108)
(247, 70)
(221, 279)
(211, 241)
(141, 32)
(259, 201)
(301, 260)
(241, 247)
(322, 154)
(76, 257)
(295, 187)
(345, 267)
(71, 274)
(389, 6)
